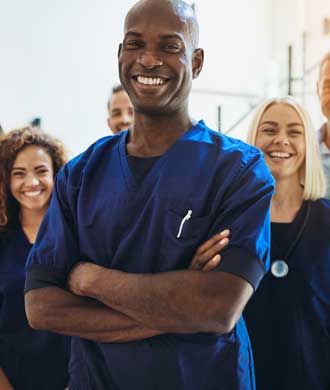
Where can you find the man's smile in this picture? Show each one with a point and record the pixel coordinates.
(150, 80)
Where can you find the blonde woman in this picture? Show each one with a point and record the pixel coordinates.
(289, 317)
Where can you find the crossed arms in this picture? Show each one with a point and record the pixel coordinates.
(107, 305)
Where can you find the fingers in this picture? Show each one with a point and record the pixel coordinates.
(213, 240)
(213, 263)
(215, 249)
(208, 251)
(200, 261)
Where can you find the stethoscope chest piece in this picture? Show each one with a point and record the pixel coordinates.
(279, 268)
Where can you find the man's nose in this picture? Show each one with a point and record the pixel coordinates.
(125, 122)
(126, 119)
(149, 60)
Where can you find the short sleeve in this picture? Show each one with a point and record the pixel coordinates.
(245, 210)
(56, 249)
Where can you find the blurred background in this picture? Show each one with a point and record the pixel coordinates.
(58, 61)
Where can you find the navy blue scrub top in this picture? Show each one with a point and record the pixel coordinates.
(100, 213)
(288, 318)
(32, 360)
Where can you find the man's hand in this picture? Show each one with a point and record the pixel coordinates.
(207, 256)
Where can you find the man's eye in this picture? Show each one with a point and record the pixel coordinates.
(132, 44)
(172, 48)
(115, 114)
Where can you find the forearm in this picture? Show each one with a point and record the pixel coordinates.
(60, 311)
(4, 382)
(179, 301)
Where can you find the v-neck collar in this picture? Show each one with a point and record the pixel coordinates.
(24, 236)
(153, 173)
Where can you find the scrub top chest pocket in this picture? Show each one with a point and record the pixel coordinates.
(182, 234)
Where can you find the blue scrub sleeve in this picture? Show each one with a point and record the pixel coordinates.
(56, 249)
(246, 212)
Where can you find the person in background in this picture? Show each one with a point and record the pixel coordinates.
(120, 110)
(29, 359)
(323, 91)
(1, 130)
(288, 318)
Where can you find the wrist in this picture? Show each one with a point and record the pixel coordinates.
(98, 280)
(92, 280)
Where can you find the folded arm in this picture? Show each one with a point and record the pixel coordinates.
(57, 310)
(177, 301)
(60, 311)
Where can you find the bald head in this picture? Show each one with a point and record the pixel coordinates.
(183, 11)
(323, 85)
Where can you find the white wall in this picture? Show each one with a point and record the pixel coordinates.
(289, 20)
(58, 61)
(235, 36)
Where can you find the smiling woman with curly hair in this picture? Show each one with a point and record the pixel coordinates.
(11, 145)
(29, 359)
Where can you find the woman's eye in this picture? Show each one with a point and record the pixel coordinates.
(269, 131)
(295, 132)
(17, 174)
(43, 171)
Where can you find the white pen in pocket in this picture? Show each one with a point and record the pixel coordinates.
(184, 220)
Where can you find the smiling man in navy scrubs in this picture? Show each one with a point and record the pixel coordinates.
(110, 265)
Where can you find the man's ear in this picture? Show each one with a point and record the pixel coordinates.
(197, 62)
(108, 120)
(119, 49)
(318, 89)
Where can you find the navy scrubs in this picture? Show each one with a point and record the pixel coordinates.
(101, 213)
(289, 318)
(32, 360)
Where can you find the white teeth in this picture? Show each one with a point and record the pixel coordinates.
(279, 154)
(150, 81)
(32, 193)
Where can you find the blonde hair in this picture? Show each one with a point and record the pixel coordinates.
(312, 175)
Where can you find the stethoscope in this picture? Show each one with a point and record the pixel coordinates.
(280, 267)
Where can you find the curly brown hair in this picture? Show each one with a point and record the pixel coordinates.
(11, 144)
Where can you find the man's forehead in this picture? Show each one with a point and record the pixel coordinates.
(325, 68)
(137, 21)
(162, 33)
(119, 99)
(168, 17)
(326, 65)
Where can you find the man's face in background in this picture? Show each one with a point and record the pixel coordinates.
(120, 112)
(323, 87)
